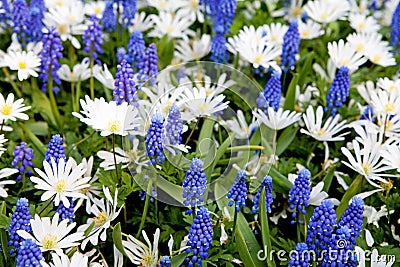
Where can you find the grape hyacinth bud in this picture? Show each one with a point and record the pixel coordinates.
(320, 227)
(200, 237)
(128, 12)
(20, 18)
(121, 54)
(165, 261)
(39, 4)
(300, 193)
(5, 16)
(23, 160)
(148, 67)
(238, 191)
(195, 184)
(155, 139)
(93, 38)
(136, 48)
(20, 220)
(267, 184)
(300, 257)
(290, 47)
(35, 25)
(353, 218)
(29, 254)
(124, 90)
(272, 92)
(49, 58)
(225, 14)
(339, 91)
(66, 213)
(219, 53)
(340, 250)
(174, 126)
(109, 18)
(395, 33)
(55, 149)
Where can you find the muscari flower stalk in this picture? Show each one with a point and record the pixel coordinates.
(49, 58)
(155, 139)
(195, 184)
(340, 250)
(93, 38)
(35, 25)
(300, 258)
(66, 213)
(267, 184)
(6, 15)
(238, 192)
(148, 67)
(136, 48)
(29, 254)
(20, 220)
(290, 47)
(121, 54)
(353, 218)
(165, 261)
(128, 12)
(20, 18)
(219, 52)
(300, 194)
(320, 227)
(109, 17)
(55, 149)
(339, 91)
(200, 237)
(23, 160)
(174, 126)
(125, 90)
(395, 33)
(271, 97)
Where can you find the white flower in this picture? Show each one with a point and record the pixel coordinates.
(193, 10)
(380, 55)
(343, 54)
(317, 195)
(310, 29)
(176, 27)
(259, 55)
(392, 86)
(277, 120)
(330, 72)
(52, 235)
(325, 11)
(105, 211)
(165, 5)
(239, 126)
(323, 133)
(2, 141)
(78, 259)
(26, 63)
(10, 110)
(385, 102)
(363, 23)
(61, 180)
(95, 8)
(141, 22)
(140, 254)
(108, 118)
(247, 35)
(108, 158)
(373, 216)
(104, 76)
(391, 156)
(80, 72)
(275, 33)
(5, 173)
(362, 41)
(195, 49)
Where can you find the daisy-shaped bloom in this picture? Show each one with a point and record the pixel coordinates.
(61, 181)
(176, 27)
(104, 211)
(367, 162)
(165, 5)
(259, 55)
(78, 259)
(325, 11)
(363, 23)
(343, 54)
(5, 173)
(392, 86)
(26, 63)
(391, 156)
(80, 72)
(196, 49)
(293, 11)
(52, 235)
(108, 158)
(142, 22)
(373, 216)
(274, 33)
(95, 8)
(104, 76)
(277, 120)
(193, 10)
(197, 103)
(108, 118)
(310, 29)
(380, 55)
(331, 127)
(10, 110)
(53, 4)
(239, 126)
(2, 141)
(360, 41)
(140, 254)
(246, 36)
(385, 102)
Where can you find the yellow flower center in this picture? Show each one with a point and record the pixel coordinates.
(203, 108)
(97, 10)
(194, 3)
(170, 29)
(367, 167)
(147, 260)
(274, 38)
(22, 65)
(50, 241)
(297, 11)
(324, 16)
(61, 186)
(389, 107)
(321, 132)
(163, 4)
(59, 3)
(84, 190)
(361, 25)
(114, 126)
(100, 219)
(359, 47)
(305, 33)
(258, 59)
(62, 28)
(376, 59)
(168, 106)
(346, 62)
(6, 109)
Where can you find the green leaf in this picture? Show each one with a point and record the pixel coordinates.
(41, 103)
(38, 128)
(248, 247)
(265, 234)
(3, 237)
(280, 182)
(350, 192)
(177, 260)
(305, 68)
(328, 179)
(39, 147)
(285, 139)
(117, 238)
(291, 93)
(4, 221)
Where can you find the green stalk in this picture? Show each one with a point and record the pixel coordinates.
(146, 208)
(234, 224)
(53, 102)
(91, 79)
(78, 94)
(115, 159)
(14, 86)
(350, 192)
(265, 233)
(246, 147)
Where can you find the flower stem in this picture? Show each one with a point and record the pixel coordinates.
(53, 102)
(91, 79)
(2, 125)
(14, 86)
(234, 225)
(146, 207)
(191, 133)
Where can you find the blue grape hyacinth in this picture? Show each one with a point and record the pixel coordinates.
(93, 37)
(200, 237)
(290, 47)
(66, 213)
(225, 14)
(195, 184)
(267, 184)
(125, 90)
(395, 33)
(29, 254)
(165, 261)
(21, 20)
(20, 220)
(129, 9)
(271, 97)
(155, 139)
(219, 52)
(136, 48)
(35, 25)
(238, 192)
(23, 160)
(148, 67)
(301, 257)
(339, 91)
(174, 126)
(353, 218)
(109, 17)
(340, 251)
(55, 149)
(300, 194)
(121, 54)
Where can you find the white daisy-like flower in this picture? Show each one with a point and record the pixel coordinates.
(193, 50)
(260, 55)
(80, 72)
(275, 33)
(59, 3)
(325, 11)
(5, 173)
(246, 36)
(104, 76)
(26, 63)
(10, 110)
(363, 23)
(105, 211)
(141, 22)
(391, 156)
(197, 102)
(365, 89)
(277, 120)
(293, 11)
(52, 235)
(329, 131)
(2, 141)
(385, 102)
(142, 254)
(78, 259)
(108, 118)
(176, 26)
(165, 5)
(373, 216)
(239, 126)
(95, 8)
(310, 29)
(108, 158)
(193, 10)
(361, 41)
(380, 55)
(61, 180)
(343, 54)
(392, 86)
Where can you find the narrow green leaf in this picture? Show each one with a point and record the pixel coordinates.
(350, 192)
(280, 182)
(38, 128)
(305, 68)
(177, 260)
(36, 142)
(117, 238)
(265, 234)
(285, 139)
(244, 252)
(250, 242)
(328, 179)
(291, 93)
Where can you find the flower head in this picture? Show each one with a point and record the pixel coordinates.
(290, 48)
(128, 12)
(194, 184)
(55, 149)
(109, 18)
(5, 173)
(174, 127)
(93, 38)
(125, 90)
(339, 91)
(395, 33)
(277, 120)
(300, 193)
(219, 53)
(29, 254)
(155, 139)
(238, 191)
(26, 63)
(141, 254)
(136, 48)
(20, 18)
(267, 184)
(20, 220)
(23, 159)
(272, 92)
(353, 218)
(345, 55)
(10, 110)
(324, 11)
(148, 67)
(301, 257)
(66, 213)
